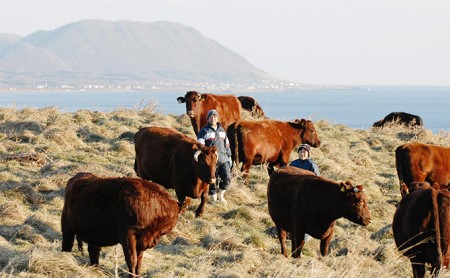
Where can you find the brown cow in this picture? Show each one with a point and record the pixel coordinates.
(198, 105)
(107, 211)
(417, 162)
(401, 118)
(176, 161)
(422, 217)
(301, 202)
(258, 142)
(250, 104)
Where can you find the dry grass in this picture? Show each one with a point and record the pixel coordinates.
(40, 149)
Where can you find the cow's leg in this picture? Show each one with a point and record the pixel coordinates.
(68, 236)
(129, 250)
(94, 254)
(325, 243)
(418, 267)
(140, 255)
(246, 171)
(282, 238)
(298, 238)
(204, 199)
(293, 244)
(183, 201)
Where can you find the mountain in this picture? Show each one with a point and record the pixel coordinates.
(95, 51)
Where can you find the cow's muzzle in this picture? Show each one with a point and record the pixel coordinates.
(190, 113)
(212, 181)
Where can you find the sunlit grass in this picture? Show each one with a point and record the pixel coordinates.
(40, 149)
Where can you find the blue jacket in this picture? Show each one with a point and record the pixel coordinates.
(207, 136)
(306, 164)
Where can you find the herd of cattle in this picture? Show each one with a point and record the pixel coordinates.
(136, 212)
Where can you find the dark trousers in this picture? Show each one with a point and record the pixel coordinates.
(223, 176)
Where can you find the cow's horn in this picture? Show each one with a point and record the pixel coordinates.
(196, 154)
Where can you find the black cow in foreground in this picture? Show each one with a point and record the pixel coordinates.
(301, 202)
(421, 228)
(107, 211)
(400, 118)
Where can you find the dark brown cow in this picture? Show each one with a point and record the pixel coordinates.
(176, 161)
(417, 162)
(250, 104)
(198, 105)
(258, 142)
(107, 211)
(401, 118)
(421, 227)
(301, 202)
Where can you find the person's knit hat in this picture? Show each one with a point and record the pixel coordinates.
(212, 112)
(305, 146)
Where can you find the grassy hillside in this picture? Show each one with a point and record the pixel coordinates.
(40, 149)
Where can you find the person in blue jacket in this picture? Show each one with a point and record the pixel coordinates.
(304, 161)
(213, 134)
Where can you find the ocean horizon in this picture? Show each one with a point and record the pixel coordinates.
(356, 107)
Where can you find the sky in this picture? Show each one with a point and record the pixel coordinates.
(323, 42)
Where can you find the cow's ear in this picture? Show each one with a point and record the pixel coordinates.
(342, 187)
(181, 100)
(405, 189)
(302, 122)
(359, 188)
(203, 97)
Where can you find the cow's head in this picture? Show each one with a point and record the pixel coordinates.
(205, 160)
(355, 205)
(191, 99)
(308, 134)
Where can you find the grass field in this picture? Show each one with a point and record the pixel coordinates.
(40, 149)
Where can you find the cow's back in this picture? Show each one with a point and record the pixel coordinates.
(417, 162)
(157, 149)
(265, 138)
(228, 107)
(400, 118)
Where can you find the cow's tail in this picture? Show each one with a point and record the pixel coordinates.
(437, 228)
(234, 144)
(400, 160)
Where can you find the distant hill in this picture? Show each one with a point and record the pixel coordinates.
(95, 51)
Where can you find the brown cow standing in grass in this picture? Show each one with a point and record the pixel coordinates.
(198, 105)
(271, 141)
(251, 105)
(301, 202)
(176, 161)
(417, 162)
(421, 227)
(107, 211)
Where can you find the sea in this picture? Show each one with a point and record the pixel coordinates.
(356, 107)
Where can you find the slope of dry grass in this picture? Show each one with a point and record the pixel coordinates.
(40, 149)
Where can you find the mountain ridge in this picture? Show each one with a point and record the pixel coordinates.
(139, 52)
